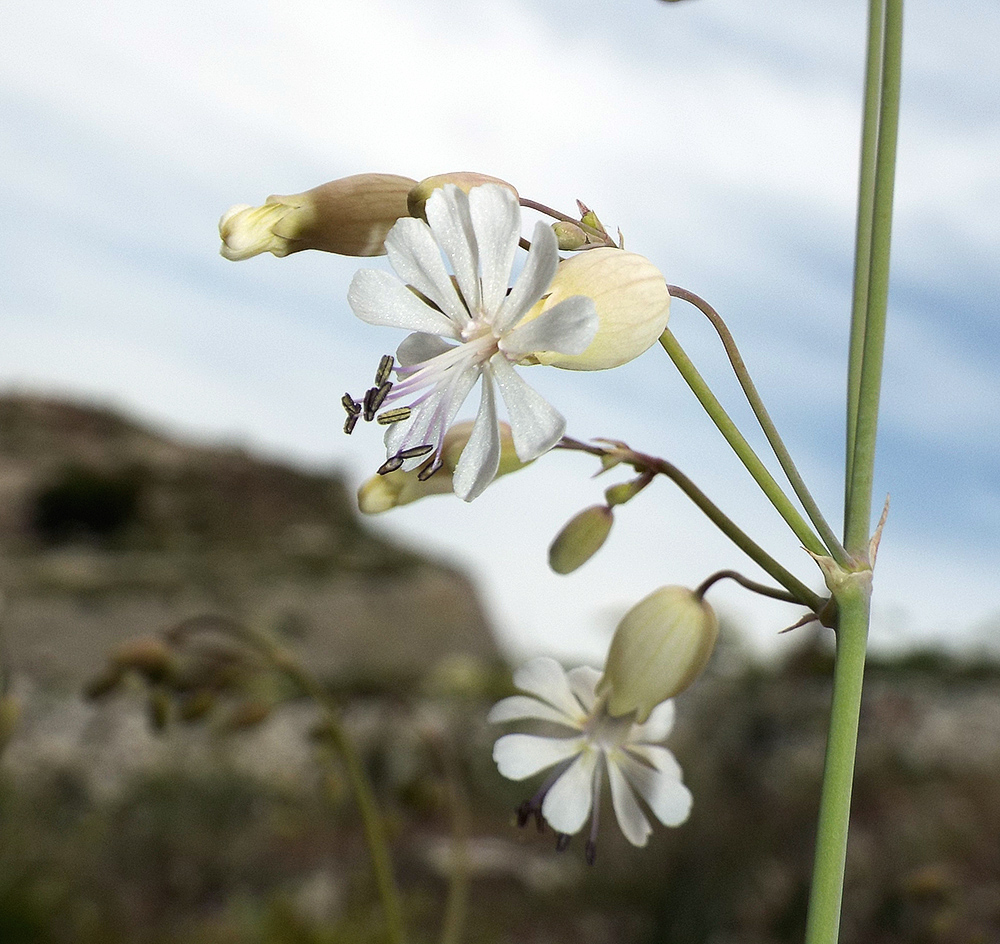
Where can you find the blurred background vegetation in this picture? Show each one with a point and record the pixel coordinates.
(164, 793)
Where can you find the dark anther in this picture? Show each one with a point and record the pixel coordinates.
(430, 468)
(590, 853)
(384, 369)
(530, 810)
(414, 451)
(390, 465)
(393, 416)
(350, 423)
(562, 841)
(374, 398)
(350, 404)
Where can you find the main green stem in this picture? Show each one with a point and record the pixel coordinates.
(823, 926)
(851, 587)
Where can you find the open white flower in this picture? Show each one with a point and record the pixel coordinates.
(466, 328)
(632, 755)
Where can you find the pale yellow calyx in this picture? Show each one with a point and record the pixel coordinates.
(382, 492)
(632, 302)
(350, 217)
(659, 648)
(465, 180)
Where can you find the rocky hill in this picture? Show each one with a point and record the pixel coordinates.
(109, 529)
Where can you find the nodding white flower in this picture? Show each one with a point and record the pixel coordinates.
(631, 754)
(465, 328)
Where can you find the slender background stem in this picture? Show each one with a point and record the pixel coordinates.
(863, 239)
(858, 513)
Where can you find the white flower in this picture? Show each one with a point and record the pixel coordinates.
(467, 328)
(632, 755)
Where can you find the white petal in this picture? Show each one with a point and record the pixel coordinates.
(659, 785)
(420, 347)
(535, 425)
(519, 707)
(631, 819)
(583, 683)
(568, 328)
(381, 299)
(545, 679)
(496, 218)
(520, 755)
(538, 272)
(657, 726)
(447, 212)
(417, 260)
(480, 458)
(567, 805)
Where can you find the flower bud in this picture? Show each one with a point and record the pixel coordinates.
(150, 656)
(382, 492)
(464, 180)
(569, 236)
(659, 648)
(580, 539)
(626, 491)
(350, 216)
(632, 303)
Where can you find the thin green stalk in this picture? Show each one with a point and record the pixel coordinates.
(826, 895)
(766, 423)
(858, 516)
(863, 239)
(740, 446)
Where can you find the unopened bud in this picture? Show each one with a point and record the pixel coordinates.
(632, 304)
(569, 236)
(150, 656)
(626, 491)
(659, 648)
(464, 180)
(580, 539)
(382, 492)
(350, 216)
(248, 714)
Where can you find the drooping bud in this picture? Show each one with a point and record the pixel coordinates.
(659, 648)
(150, 656)
(464, 180)
(580, 539)
(350, 216)
(632, 303)
(626, 491)
(570, 236)
(382, 492)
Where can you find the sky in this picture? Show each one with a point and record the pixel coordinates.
(720, 137)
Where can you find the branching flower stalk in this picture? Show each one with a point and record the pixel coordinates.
(764, 419)
(619, 452)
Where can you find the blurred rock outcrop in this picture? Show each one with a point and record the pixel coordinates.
(108, 530)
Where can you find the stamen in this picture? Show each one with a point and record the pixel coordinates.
(590, 852)
(375, 397)
(414, 451)
(350, 423)
(430, 468)
(384, 369)
(562, 841)
(393, 416)
(390, 465)
(350, 404)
